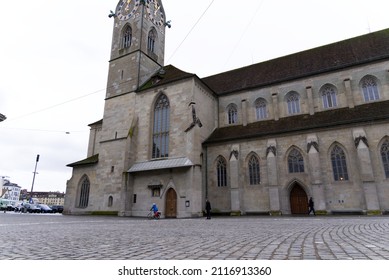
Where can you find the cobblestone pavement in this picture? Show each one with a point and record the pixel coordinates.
(58, 237)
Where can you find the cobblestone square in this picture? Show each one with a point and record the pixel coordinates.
(59, 237)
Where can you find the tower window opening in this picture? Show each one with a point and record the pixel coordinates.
(127, 37)
(151, 41)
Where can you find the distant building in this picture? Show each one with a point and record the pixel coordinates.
(49, 198)
(9, 190)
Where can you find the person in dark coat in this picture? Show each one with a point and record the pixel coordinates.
(311, 206)
(208, 209)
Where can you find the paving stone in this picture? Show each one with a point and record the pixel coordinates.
(58, 237)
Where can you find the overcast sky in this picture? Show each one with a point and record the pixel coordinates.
(54, 61)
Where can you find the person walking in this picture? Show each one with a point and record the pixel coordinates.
(311, 206)
(208, 209)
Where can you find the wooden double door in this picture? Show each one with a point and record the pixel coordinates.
(298, 200)
(171, 204)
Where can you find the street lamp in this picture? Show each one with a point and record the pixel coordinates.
(2, 117)
(33, 178)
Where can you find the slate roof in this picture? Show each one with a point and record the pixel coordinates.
(166, 75)
(88, 161)
(160, 164)
(352, 52)
(100, 122)
(362, 114)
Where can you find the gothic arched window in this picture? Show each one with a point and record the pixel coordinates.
(295, 162)
(339, 165)
(232, 114)
(221, 172)
(151, 40)
(84, 193)
(254, 174)
(127, 37)
(260, 109)
(161, 128)
(385, 157)
(293, 101)
(328, 94)
(370, 89)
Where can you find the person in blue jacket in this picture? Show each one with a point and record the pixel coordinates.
(154, 208)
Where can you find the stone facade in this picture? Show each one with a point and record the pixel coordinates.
(251, 143)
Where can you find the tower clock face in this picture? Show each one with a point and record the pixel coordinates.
(155, 12)
(127, 9)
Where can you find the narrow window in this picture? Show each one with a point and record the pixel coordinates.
(254, 174)
(293, 101)
(339, 166)
(260, 109)
(328, 94)
(295, 162)
(84, 193)
(232, 114)
(151, 41)
(161, 128)
(110, 201)
(221, 172)
(385, 157)
(370, 89)
(127, 37)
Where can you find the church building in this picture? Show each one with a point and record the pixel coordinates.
(258, 140)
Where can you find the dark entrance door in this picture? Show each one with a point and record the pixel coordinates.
(298, 200)
(171, 204)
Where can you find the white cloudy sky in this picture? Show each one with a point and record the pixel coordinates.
(54, 61)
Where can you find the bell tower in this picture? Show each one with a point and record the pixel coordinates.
(138, 45)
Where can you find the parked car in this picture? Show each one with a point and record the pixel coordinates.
(57, 208)
(4, 204)
(10, 207)
(45, 208)
(19, 208)
(32, 208)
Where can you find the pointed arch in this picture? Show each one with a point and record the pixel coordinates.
(370, 88)
(161, 127)
(221, 171)
(261, 108)
(151, 40)
(126, 36)
(384, 152)
(83, 194)
(253, 166)
(232, 113)
(298, 197)
(328, 94)
(339, 163)
(295, 161)
(171, 203)
(293, 103)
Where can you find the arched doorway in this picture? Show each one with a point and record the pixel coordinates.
(298, 200)
(171, 204)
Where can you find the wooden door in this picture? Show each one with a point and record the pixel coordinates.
(298, 200)
(171, 204)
